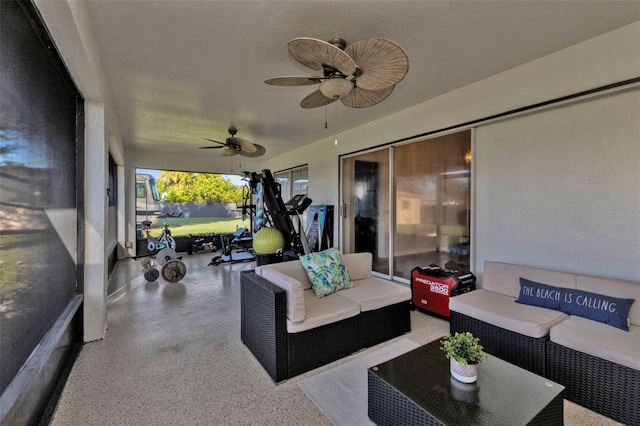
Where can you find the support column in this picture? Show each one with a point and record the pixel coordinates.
(121, 222)
(96, 203)
(130, 210)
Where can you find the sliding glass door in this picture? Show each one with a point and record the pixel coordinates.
(432, 211)
(409, 205)
(365, 207)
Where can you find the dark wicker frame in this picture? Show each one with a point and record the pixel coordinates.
(603, 386)
(383, 324)
(515, 348)
(388, 406)
(284, 355)
(263, 327)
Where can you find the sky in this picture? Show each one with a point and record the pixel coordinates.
(235, 179)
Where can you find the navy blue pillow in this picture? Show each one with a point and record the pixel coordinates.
(613, 311)
(537, 294)
(609, 310)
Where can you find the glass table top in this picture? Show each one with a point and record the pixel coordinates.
(504, 394)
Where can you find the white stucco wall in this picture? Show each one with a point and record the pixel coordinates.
(610, 58)
(560, 189)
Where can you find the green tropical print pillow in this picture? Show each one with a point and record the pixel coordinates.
(326, 272)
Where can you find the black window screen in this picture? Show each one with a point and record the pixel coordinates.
(39, 171)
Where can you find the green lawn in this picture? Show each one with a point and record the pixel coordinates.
(184, 226)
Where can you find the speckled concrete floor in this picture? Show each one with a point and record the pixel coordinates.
(172, 355)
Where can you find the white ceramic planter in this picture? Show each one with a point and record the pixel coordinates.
(465, 374)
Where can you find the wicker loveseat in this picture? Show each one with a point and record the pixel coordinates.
(598, 364)
(290, 331)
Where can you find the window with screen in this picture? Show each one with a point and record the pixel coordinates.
(292, 181)
(41, 115)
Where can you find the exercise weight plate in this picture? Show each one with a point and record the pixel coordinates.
(174, 271)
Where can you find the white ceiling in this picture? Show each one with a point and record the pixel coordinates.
(179, 71)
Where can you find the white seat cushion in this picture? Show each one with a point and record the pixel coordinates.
(600, 340)
(502, 311)
(292, 268)
(358, 265)
(326, 310)
(373, 293)
(295, 293)
(504, 278)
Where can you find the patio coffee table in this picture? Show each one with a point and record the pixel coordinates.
(417, 388)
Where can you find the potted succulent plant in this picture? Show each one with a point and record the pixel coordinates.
(464, 352)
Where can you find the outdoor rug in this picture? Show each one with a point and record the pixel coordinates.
(341, 393)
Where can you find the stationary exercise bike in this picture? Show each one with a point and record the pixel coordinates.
(164, 240)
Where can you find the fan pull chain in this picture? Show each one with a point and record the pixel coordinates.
(335, 142)
(326, 107)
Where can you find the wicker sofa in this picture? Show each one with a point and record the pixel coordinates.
(290, 331)
(598, 364)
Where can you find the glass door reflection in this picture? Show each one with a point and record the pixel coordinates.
(365, 217)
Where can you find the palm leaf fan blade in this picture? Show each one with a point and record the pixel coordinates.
(260, 151)
(359, 98)
(383, 63)
(244, 144)
(316, 99)
(293, 81)
(314, 53)
(229, 152)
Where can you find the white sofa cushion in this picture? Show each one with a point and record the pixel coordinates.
(599, 340)
(295, 293)
(504, 278)
(502, 311)
(292, 268)
(358, 264)
(374, 293)
(327, 310)
(614, 288)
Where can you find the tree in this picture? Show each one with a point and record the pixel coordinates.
(200, 188)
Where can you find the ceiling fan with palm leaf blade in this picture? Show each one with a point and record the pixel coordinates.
(234, 145)
(359, 75)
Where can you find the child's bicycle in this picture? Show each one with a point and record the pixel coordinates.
(164, 240)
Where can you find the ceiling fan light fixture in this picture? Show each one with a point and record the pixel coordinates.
(336, 88)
